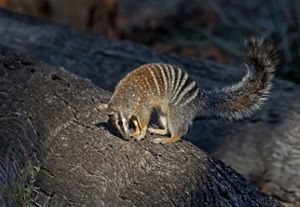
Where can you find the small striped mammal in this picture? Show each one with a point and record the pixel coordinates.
(178, 100)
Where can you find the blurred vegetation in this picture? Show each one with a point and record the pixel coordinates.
(213, 29)
(20, 190)
(216, 30)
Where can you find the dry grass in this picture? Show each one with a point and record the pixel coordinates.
(19, 190)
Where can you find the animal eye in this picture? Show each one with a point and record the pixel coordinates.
(120, 123)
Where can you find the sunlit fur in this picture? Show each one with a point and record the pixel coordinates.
(178, 99)
(242, 99)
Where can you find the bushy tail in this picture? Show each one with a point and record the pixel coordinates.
(245, 97)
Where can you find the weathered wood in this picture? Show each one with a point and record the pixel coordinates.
(264, 148)
(48, 117)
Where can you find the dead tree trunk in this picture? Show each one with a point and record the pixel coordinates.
(48, 118)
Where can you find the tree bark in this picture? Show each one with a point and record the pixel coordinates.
(265, 148)
(48, 118)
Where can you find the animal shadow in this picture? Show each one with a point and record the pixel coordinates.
(109, 127)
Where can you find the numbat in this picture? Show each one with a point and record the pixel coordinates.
(178, 100)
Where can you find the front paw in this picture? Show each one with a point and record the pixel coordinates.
(138, 137)
(158, 140)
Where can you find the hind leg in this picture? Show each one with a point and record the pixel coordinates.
(164, 140)
(164, 130)
(177, 124)
(175, 136)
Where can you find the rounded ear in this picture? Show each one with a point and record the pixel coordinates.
(105, 109)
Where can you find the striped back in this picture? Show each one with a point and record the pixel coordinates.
(155, 82)
(173, 83)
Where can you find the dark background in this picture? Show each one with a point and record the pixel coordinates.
(213, 29)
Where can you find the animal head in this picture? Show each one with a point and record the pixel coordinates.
(117, 118)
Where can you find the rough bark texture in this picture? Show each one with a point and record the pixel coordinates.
(48, 117)
(265, 148)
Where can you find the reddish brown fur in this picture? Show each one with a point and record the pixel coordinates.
(141, 82)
